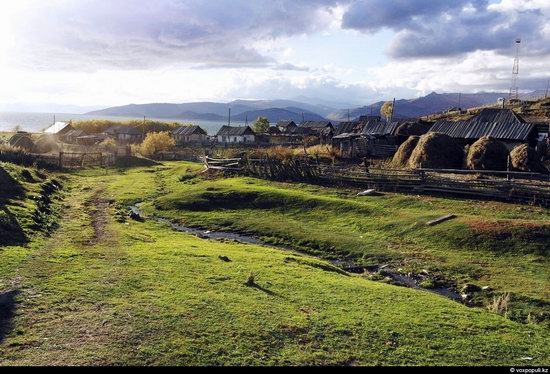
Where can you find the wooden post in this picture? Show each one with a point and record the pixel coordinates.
(366, 163)
(61, 160)
(508, 168)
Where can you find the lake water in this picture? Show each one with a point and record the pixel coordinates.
(36, 122)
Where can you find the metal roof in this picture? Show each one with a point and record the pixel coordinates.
(379, 128)
(316, 124)
(189, 130)
(235, 131)
(285, 124)
(57, 128)
(501, 124)
(348, 127)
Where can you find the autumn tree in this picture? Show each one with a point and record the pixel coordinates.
(387, 109)
(261, 125)
(156, 142)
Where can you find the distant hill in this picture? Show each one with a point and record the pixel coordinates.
(274, 110)
(432, 103)
(277, 114)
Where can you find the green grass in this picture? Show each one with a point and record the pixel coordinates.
(106, 292)
(503, 246)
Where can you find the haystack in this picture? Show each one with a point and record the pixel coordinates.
(47, 144)
(413, 128)
(437, 151)
(525, 158)
(403, 154)
(22, 140)
(487, 154)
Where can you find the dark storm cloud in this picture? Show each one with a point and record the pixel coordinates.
(448, 28)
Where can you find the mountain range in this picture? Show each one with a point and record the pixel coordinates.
(276, 110)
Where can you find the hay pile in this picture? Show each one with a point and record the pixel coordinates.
(47, 144)
(525, 158)
(487, 154)
(22, 141)
(437, 151)
(413, 128)
(401, 157)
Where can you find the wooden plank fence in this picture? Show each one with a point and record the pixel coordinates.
(525, 188)
(73, 160)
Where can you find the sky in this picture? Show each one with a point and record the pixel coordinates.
(97, 53)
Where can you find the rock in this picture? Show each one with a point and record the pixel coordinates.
(135, 216)
(368, 193)
(470, 288)
(425, 272)
(486, 289)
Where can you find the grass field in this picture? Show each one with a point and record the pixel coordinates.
(107, 290)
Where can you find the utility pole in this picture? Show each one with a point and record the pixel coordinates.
(459, 100)
(348, 115)
(547, 87)
(229, 118)
(514, 95)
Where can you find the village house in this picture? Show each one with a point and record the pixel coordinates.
(72, 136)
(323, 129)
(501, 124)
(286, 126)
(236, 135)
(125, 134)
(189, 135)
(59, 129)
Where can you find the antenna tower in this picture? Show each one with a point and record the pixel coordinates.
(514, 95)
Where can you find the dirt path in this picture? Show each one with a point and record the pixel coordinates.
(62, 304)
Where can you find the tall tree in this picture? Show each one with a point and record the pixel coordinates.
(261, 125)
(386, 110)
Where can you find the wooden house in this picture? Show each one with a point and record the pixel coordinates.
(189, 135)
(236, 135)
(125, 134)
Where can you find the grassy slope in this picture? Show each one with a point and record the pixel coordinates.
(500, 245)
(103, 292)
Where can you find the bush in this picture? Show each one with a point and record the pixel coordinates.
(437, 151)
(155, 143)
(487, 154)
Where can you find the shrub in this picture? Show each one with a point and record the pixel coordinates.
(155, 143)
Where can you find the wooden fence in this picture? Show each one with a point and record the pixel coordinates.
(71, 160)
(525, 188)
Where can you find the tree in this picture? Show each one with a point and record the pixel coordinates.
(261, 125)
(387, 109)
(156, 142)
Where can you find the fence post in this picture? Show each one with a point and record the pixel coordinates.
(101, 159)
(61, 160)
(508, 168)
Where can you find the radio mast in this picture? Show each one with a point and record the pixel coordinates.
(514, 95)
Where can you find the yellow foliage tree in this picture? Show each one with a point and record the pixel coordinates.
(156, 142)
(386, 110)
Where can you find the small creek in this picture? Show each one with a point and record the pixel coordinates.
(397, 277)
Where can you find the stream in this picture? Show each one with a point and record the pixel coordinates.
(397, 277)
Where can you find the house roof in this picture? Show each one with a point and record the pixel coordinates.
(235, 131)
(58, 128)
(285, 124)
(188, 130)
(496, 123)
(126, 130)
(75, 133)
(273, 130)
(348, 127)
(316, 124)
(376, 127)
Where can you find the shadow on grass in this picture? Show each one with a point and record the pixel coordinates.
(10, 188)
(260, 288)
(7, 312)
(11, 232)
